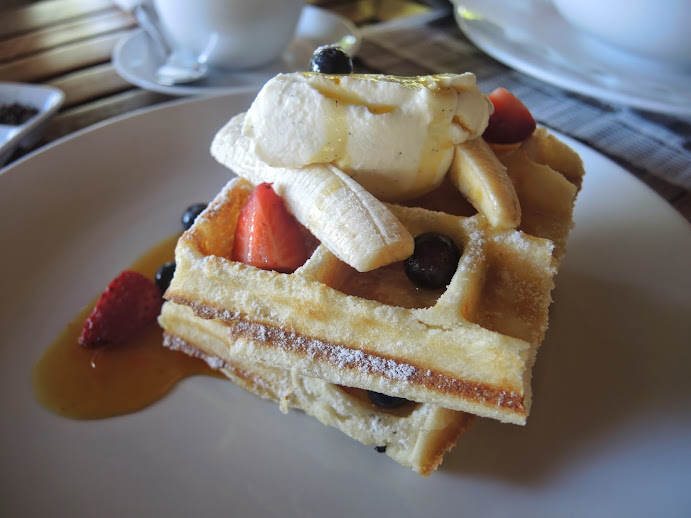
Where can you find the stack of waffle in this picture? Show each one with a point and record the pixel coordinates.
(325, 337)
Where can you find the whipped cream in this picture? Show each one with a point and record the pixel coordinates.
(394, 135)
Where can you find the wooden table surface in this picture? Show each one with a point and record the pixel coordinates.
(68, 44)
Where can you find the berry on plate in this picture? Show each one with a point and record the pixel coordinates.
(191, 214)
(267, 235)
(434, 261)
(331, 59)
(130, 303)
(511, 121)
(384, 401)
(164, 275)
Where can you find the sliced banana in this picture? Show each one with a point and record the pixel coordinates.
(355, 226)
(481, 177)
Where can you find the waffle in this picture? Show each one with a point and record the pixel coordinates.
(416, 435)
(470, 348)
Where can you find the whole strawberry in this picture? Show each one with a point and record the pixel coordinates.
(511, 121)
(130, 303)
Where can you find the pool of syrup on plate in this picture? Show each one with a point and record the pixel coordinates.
(96, 383)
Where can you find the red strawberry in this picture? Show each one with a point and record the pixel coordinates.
(511, 121)
(129, 304)
(267, 235)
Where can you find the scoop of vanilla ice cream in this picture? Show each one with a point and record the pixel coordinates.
(395, 136)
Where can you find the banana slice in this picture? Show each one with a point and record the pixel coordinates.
(481, 177)
(355, 226)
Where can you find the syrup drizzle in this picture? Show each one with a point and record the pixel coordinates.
(82, 383)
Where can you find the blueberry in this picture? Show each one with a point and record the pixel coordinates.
(331, 59)
(434, 261)
(191, 214)
(384, 401)
(164, 275)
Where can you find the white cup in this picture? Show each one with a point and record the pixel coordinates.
(229, 34)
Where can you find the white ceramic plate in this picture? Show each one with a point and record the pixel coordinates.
(46, 99)
(611, 421)
(136, 61)
(532, 37)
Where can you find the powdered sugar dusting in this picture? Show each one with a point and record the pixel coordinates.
(338, 355)
(176, 343)
(516, 239)
(476, 237)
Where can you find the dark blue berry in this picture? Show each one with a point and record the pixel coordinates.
(384, 401)
(164, 275)
(331, 59)
(433, 262)
(191, 214)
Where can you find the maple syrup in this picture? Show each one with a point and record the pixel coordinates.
(95, 383)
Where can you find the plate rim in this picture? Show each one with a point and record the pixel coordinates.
(474, 30)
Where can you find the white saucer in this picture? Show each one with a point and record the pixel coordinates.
(136, 62)
(534, 38)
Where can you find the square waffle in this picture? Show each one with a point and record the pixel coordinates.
(469, 349)
(416, 435)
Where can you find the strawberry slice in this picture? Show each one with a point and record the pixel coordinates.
(267, 235)
(511, 121)
(130, 303)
